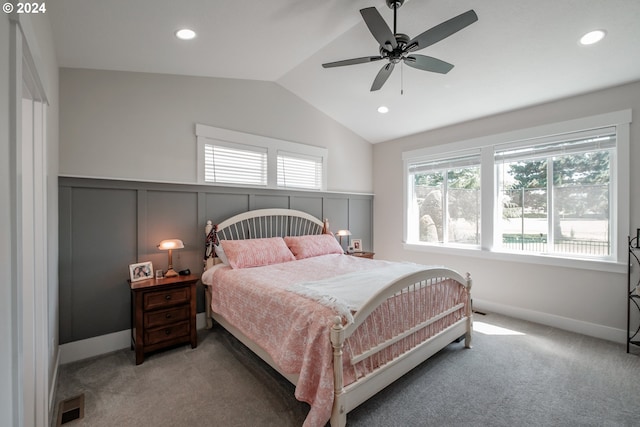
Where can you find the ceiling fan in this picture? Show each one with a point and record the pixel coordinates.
(396, 47)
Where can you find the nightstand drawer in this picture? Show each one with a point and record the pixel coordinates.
(158, 318)
(154, 336)
(163, 313)
(159, 299)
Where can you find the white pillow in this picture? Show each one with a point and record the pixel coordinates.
(221, 254)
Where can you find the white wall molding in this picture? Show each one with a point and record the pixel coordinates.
(560, 322)
(103, 344)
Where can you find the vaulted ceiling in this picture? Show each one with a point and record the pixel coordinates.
(518, 53)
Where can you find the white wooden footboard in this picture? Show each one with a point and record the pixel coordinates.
(348, 397)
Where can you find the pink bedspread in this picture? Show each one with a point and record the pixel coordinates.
(292, 329)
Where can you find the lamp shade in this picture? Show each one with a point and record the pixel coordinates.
(171, 244)
(343, 233)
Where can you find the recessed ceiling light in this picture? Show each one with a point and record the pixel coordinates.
(185, 34)
(592, 37)
(383, 109)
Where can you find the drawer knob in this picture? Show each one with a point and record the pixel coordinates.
(167, 297)
(167, 331)
(168, 316)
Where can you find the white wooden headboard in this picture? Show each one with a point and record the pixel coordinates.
(261, 223)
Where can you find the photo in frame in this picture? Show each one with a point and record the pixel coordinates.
(141, 271)
(357, 245)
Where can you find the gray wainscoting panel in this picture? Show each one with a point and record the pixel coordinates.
(267, 201)
(99, 241)
(173, 215)
(105, 225)
(336, 210)
(361, 221)
(222, 206)
(310, 205)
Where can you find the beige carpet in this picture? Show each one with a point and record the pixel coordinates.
(518, 373)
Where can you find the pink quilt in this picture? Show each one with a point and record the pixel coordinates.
(293, 329)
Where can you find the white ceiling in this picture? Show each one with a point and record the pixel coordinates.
(519, 53)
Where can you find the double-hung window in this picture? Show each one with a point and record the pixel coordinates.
(227, 157)
(554, 195)
(444, 195)
(554, 191)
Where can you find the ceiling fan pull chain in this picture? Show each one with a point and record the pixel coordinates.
(402, 78)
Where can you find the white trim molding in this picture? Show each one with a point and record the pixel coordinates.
(585, 328)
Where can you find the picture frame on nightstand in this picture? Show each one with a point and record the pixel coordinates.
(357, 245)
(141, 271)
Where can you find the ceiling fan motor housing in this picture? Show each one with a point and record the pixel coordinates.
(394, 4)
(396, 54)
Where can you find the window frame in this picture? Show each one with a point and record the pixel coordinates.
(212, 135)
(620, 191)
(449, 162)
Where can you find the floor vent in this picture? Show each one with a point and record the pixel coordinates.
(70, 410)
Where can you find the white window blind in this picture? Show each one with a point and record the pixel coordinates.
(572, 143)
(299, 171)
(440, 164)
(235, 164)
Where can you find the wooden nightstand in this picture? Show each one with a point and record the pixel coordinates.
(363, 254)
(163, 314)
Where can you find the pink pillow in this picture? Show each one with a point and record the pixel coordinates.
(310, 246)
(256, 252)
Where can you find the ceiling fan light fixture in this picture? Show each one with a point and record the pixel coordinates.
(592, 37)
(185, 34)
(383, 109)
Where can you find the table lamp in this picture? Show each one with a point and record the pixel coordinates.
(170, 245)
(341, 233)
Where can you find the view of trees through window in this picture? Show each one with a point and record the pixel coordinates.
(574, 220)
(449, 205)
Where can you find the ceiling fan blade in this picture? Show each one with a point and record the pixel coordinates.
(353, 61)
(442, 31)
(379, 28)
(428, 63)
(382, 76)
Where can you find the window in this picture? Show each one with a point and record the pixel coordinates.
(228, 157)
(555, 191)
(567, 214)
(445, 199)
(299, 171)
(235, 165)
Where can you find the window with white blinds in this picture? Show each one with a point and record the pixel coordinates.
(298, 171)
(235, 165)
(444, 198)
(554, 191)
(228, 157)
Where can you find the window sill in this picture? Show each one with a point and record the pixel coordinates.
(476, 252)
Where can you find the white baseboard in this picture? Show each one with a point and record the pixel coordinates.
(103, 344)
(591, 329)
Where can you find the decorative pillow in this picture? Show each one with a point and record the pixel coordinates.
(256, 252)
(315, 245)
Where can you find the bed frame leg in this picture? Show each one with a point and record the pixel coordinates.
(338, 413)
(467, 338)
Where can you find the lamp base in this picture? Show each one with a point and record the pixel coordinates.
(170, 273)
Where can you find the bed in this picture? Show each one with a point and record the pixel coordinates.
(340, 328)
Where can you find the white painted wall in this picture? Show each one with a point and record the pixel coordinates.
(141, 126)
(48, 69)
(39, 38)
(6, 256)
(586, 301)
